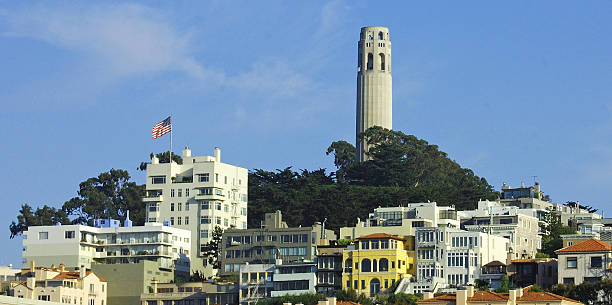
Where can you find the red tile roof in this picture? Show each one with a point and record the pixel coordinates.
(589, 245)
(76, 275)
(346, 303)
(488, 296)
(543, 297)
(440, 298)
(380, 236)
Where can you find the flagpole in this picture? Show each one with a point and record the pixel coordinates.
(170, 144)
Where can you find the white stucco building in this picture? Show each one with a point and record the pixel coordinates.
(589, 261)
(447, 258)
(374, 90)
(198, 195)
(82, 246)
(403, 220)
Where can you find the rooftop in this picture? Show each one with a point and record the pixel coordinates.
(589, 245)
(380, 236)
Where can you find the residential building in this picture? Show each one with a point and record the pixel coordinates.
(403, 220)
(294, 279)
(60, 285)
(447, 258)
(108, 243)
(375, 263)
(519, 296)
(329, 268)
(533, 271)
(8, 273)
(9, 300)
(572, 239)
(191, 293)
(273, 239)
(198, 195)
(255, 282)
(600, 227)
(521, 230)
(126, 282)
(493, 273)
(585, 261)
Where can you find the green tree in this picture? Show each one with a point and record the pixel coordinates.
(306, 299)
(481, 284)
(553, 229)
(163, 158)
(505, 285)
(344, 157)
(212, 249)
(43, 216)
(109, 195)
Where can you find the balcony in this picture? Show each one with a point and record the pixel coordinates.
(153, 198)
(209, 197)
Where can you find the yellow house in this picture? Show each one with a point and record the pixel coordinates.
(377, 262)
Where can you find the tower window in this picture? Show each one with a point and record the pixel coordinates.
(382, 61)
(369, 37)
(381, 36)
(370, 61)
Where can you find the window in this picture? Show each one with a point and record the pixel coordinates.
(568, 280)
(180, 206)
(383, 265)
(596, 262)
(204, 220)
(203, 177)
(69, 234)
(382, 61)
(225, 180)
(216, 177)
(172, 206)
(180, 193)
(365, 244)
(204, 234)
(153, 207)
(380, 36)
(158, 179)
(186, 206)
(225, 222)
(171, 221)
(370, 61)
(366, 265)
(172, 193)
(218, 220)
(43, 235)
(218, 206)
(572, 262)
(180, 221)
(186, 192)
(186, 220)
(204, 205)
(225, 208)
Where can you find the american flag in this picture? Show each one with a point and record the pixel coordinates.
(162, 128)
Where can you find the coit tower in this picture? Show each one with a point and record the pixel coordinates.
(374, 100)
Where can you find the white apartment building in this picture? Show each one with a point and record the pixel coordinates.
(447, 258)
(403, 220)
(61, 286)
(255, 282)
(78, 245)
(521, 230)
(198, 195)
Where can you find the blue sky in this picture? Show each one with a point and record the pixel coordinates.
(511, 90)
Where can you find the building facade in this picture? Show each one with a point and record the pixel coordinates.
(191, 293)
(61, 285)
(534, 271)
(273, 240)
(585, 261)
(375, 263)
(108, 243)
(255, 282)
(329, 268)
(294, 279)
(448, 258)
(403, 220)
(198, 195)
(374, 90)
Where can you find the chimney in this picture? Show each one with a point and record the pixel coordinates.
(154, 160)
(470, 291)
(461, 297)
(428, 295)
(331, 301)
(32, 266)
(513, 295)
(82, 272)
(62, 267)
(217, 154)
(186, 152)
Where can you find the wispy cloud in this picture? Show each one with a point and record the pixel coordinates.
(125, 39)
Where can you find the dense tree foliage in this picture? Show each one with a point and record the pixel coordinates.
(553, 229)
(587, 292)
(401, 169)
(211, 251)
(109, 195)
(163, 158)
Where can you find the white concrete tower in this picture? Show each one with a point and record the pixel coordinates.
(374, 100)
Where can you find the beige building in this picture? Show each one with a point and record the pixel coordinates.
(126, 282)
(585, 261)
(521, 296)
(374, 90)
(192, 293)
(60, 285)
(7, 300)
(198, 195)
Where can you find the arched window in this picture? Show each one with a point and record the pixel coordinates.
(370, 61)
(374, 286)
(374, 266)
(382, 61)
(381, 36)
(370, 37)
(383, 265)
(366, 266)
